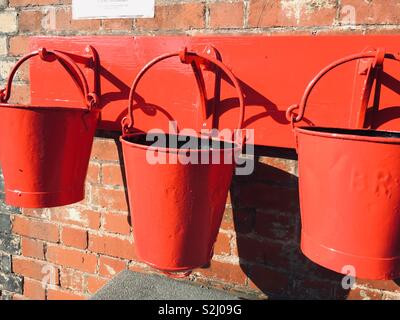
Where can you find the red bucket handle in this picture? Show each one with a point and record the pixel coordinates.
(379, 56)
(186, 57)
(90, 99)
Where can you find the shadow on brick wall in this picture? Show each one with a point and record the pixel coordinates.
(265, 208)
(115, 136)
(267, 222)
(266, 216)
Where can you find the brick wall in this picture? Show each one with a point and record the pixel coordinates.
(80, 247)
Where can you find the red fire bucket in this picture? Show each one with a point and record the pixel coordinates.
(177, 208)
(349, 184)
(45, 151)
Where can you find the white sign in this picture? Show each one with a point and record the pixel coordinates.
(97, 9)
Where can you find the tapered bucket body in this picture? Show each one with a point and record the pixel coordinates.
(44, 154)
(350, 200)
(176, 207)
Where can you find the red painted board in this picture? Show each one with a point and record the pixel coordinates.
(273, 72)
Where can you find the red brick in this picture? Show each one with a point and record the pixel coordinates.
(222, 246)
(286, 165)
(32, 248)
(72, 258)
(269, 281)
(117, 24)
(73, 237)
(113, 200)
(30, 21)
(227, 272)
(35, 229)
(76, 216)
(72, 279)
(104, 149)
(226, 15)
(234, 249)
(373, 12)
(227, 221)
(17, 296)
(19, 45)
(109, 267)
(179, 16)
(112, 174)
(64, 22)
(21, 93)
(33, 289)
(386, 285)
(363, 294)
(229, 198)
(390, 296)
(95, 283)
(23, 3)
(140, 267)
(221, 286)
(36, 213)
(58, 294)
(112, 246)
(93, 175)
(34, 269)
(265, 13)
(116, 223)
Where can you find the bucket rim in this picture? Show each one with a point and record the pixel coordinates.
(379, 136)
(122, 139)
(172, 269)
(33, 107)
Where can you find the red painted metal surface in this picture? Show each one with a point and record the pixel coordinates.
(350, 189)
(44, 151)
(177, 207)
(272, 70)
